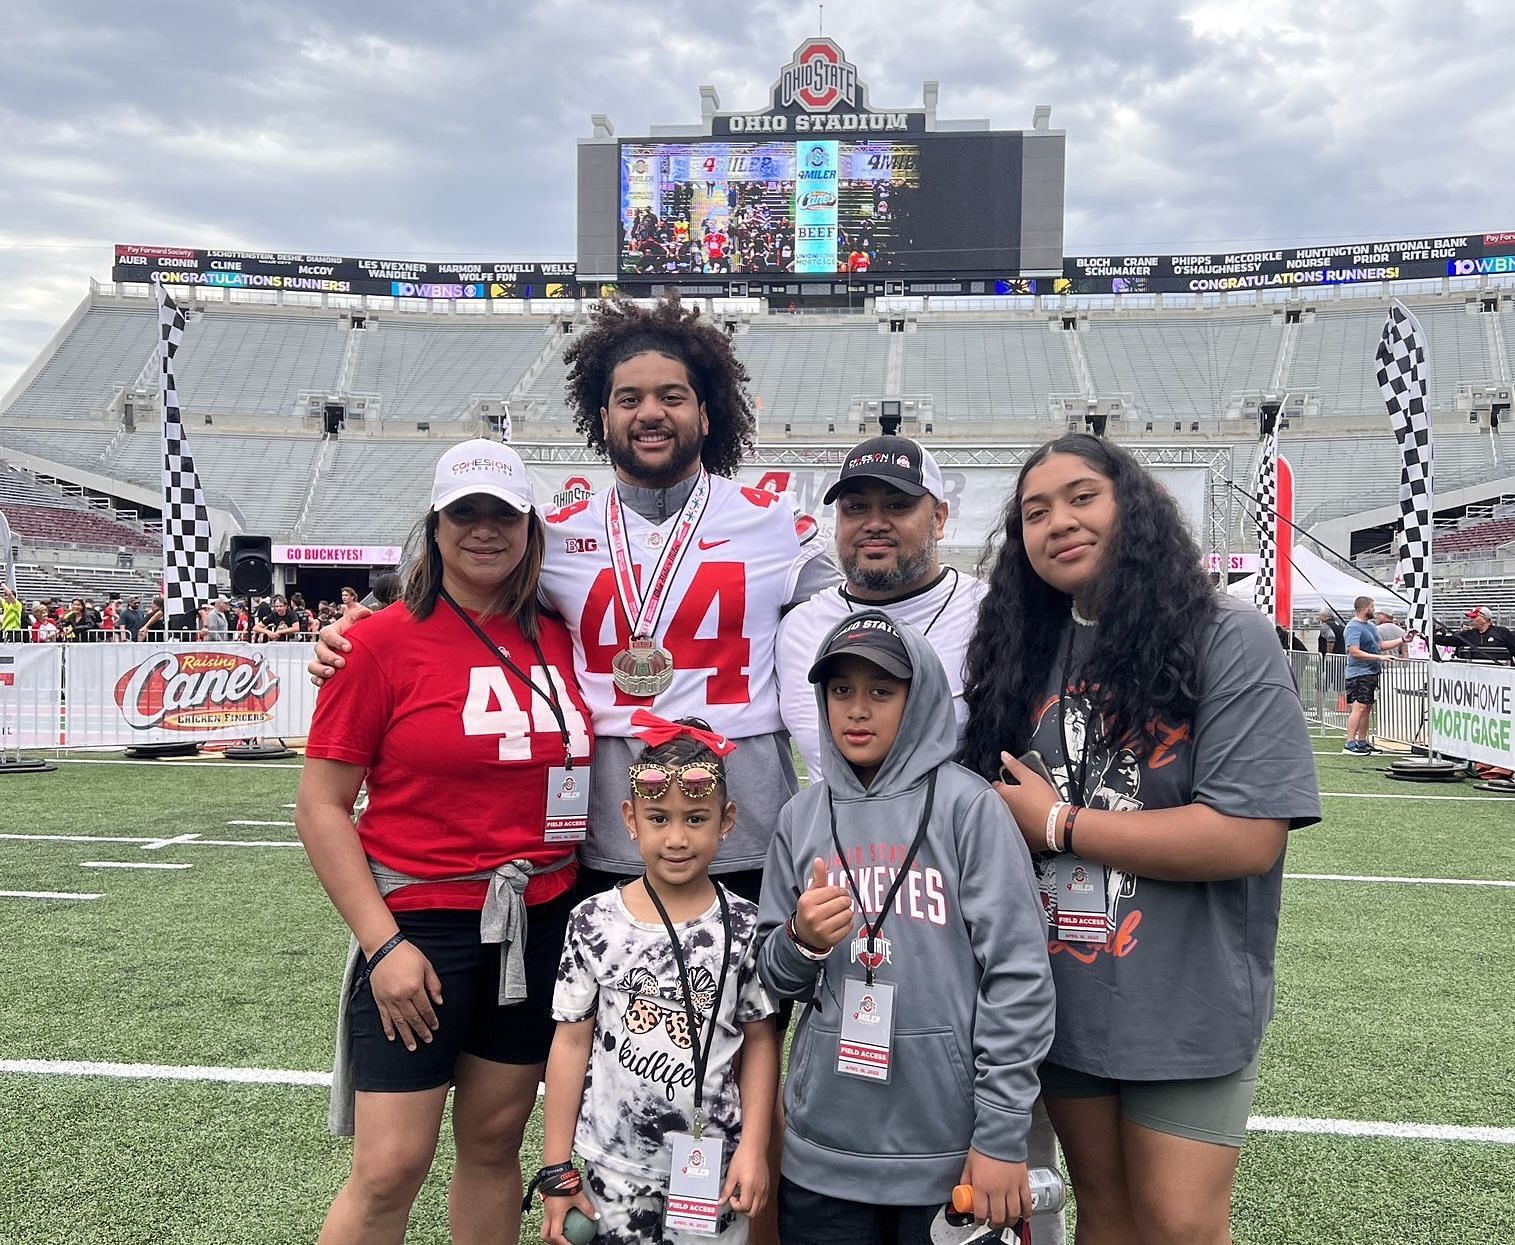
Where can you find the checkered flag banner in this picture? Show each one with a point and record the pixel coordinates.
(1403, 374)
(189, 560)
(1265, 489)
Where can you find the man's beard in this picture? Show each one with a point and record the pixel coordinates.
(623, 456)
(907, 572)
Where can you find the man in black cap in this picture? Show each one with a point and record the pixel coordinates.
(891, 513)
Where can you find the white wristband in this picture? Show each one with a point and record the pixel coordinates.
(1053, 814)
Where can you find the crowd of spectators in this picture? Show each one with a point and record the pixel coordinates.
(123, 618)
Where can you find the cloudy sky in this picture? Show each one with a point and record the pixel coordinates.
(445, 129)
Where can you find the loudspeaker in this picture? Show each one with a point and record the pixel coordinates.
(251, 560)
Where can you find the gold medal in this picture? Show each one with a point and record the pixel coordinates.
(642, 668)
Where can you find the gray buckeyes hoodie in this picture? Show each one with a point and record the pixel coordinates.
(967, 955)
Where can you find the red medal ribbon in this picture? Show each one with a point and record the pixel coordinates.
(642, 612)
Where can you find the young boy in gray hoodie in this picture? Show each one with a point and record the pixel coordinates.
(900, 905)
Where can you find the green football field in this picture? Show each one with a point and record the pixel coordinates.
(1386, 1111)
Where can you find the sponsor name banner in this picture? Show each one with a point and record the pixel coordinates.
(333, 274)
(815, 208)
(125, 694)
(337, 555)
(975, 496)
(1473, 712)
(1462, 255)
(30, 676)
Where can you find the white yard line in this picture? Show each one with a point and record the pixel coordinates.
(287, 824)
(182, 761)
(149, 845)
(1403, 795)
(128, 864)
(283, 1076)
(46, 895)
(1352, 877)
(1380, 1128)
(164, 1072)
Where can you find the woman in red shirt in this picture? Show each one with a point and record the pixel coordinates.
(458, 877)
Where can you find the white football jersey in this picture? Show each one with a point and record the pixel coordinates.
(946, 612)
(721, 614)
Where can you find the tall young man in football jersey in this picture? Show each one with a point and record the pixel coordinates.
(891, 513)
(673, 580)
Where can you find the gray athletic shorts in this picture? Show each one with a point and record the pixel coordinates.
(1212, 1109)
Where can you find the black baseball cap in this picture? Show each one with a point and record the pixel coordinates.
(899, 461)
(870, 635)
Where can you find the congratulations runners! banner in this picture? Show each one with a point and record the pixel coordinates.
(125, 694)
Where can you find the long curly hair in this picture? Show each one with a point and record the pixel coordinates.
(1152, 599)
(620, 330)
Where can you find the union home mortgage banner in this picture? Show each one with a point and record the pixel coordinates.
(1473, 712)
(118, 695)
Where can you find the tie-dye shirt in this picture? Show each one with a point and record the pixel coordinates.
(639, 1086)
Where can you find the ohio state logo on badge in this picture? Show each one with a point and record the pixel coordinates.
(881, 953)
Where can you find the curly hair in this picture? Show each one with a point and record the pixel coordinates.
(620, 330)
(1151, 598)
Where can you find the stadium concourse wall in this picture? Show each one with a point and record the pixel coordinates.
(86, 696)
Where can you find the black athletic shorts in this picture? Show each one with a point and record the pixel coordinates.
(1361, 689)
(471, 1021)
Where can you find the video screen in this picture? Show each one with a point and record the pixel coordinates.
(815, 206)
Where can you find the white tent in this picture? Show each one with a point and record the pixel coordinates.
(1318, 585)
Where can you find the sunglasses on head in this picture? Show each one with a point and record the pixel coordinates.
(696, 780)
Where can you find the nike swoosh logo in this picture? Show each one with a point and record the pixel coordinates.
(711, 544)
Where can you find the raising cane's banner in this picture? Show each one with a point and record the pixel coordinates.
(124, 694)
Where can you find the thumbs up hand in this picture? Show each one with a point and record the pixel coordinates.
(823, 915)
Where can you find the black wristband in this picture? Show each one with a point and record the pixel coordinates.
(558, 1180)
(1073, 811)
(373, 960)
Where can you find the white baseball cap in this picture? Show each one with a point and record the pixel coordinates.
(481, 466)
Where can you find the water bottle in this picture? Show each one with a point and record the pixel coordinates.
(954, 1223)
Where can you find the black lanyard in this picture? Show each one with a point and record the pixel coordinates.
(550, 694)
(700, 1054)
(899, 878)
(1077, 787)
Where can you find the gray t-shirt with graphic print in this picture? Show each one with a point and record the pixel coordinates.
(1182, 987)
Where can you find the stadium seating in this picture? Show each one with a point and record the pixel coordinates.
(55, 525)
(809, 373)
(234, 362)
(106, 349)
(1490, 535)
(265, 478)
(372, 491)
(429, 372)
(1187, 366)
(1334, 355)
(980, 369)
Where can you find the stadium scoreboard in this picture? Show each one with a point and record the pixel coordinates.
(819, 192)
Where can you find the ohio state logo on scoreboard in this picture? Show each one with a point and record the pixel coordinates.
(818, 78)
